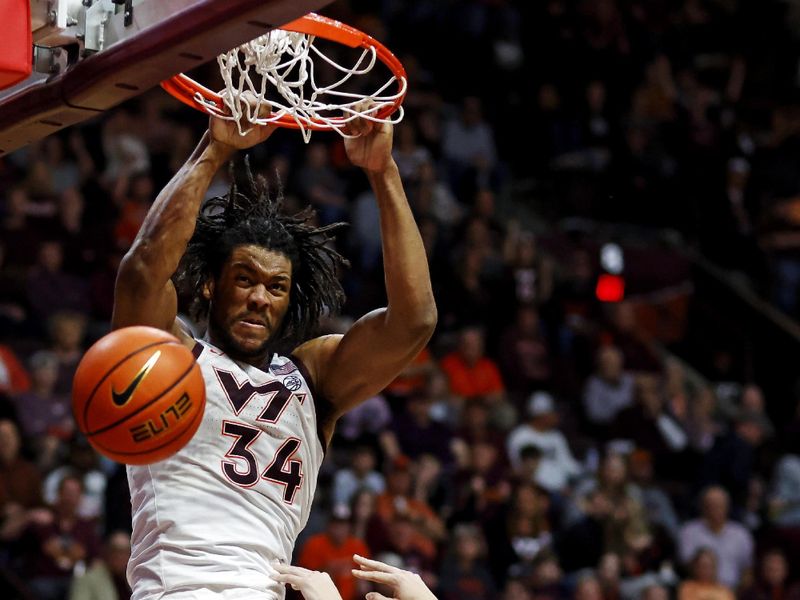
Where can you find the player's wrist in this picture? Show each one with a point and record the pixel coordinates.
(386, 170)
(217, 152)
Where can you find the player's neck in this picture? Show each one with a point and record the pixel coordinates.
(260, 360)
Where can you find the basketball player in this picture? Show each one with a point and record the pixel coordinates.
(209, 520)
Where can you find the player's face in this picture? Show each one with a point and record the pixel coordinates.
(249, 301)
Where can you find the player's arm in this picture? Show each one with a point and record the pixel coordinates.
(349, 369)
(144, 293)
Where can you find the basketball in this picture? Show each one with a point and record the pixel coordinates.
(138, 395)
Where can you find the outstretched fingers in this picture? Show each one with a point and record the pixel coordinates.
(376, 576)
(374, 565)
(288, 574)
(377, 596)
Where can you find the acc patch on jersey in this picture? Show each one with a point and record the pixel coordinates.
(292, 383)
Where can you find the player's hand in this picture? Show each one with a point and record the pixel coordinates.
(372, 148)
(314, 585)
(404, 584)
(227, 132)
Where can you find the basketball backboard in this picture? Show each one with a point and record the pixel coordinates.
(91, 55)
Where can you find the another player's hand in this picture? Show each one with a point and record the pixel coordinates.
(404, 584)
(227, 132)
(372, 148)
(314, 585)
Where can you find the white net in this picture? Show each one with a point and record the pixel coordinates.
(284, 60)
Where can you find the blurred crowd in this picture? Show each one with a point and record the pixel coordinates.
(543, 446)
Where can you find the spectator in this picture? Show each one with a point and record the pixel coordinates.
(626, 333)
(398, 500)
(557, 467)
(784, 502)
(19, 232)
(79, 251)
(81, 462)
(465, 298)
(51, 289)
(608, 391)
(105, 579)
(431, 484)
(609, 573)
(415, 553)
(61, 545)
(67, 331)
(474, 427)
(516, 590)
(772, 579)
(588, 588)
(408, 155)
(655, 592)
(365, 523)
(699, 418)
(432, 197)
(471, 373)
(41, 411)
(731, 543)
(417, 433)
(468, 147)
(464, 574)
(574, 307)
(481, 484)
(656, 503)
(753, 405)
(332, 551)
(732, 459)
(123, 146)
(20, 486)
(518, 530)
(366, 422)
(530, 273)
(447, 407)
(627, 524)
(524, 354)
(703, 580)
(360, 476)
(12, 299)
(546, 579)
(414, 377)
(649, 426)
(133, 195)
(581, 544)
(528, 465)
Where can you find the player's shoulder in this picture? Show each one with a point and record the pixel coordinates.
(316, 352)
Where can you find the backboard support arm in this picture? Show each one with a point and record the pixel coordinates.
(165, 37)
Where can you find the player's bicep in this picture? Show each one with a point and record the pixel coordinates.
(138, 300)
(362, 362)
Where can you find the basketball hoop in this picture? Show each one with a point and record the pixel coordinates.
(283, 59)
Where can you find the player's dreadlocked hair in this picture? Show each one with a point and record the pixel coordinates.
(236, 219)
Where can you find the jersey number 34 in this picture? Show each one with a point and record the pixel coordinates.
(283, 469)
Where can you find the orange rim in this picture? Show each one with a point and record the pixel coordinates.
(186, 89)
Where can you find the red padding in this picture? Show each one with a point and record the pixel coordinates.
(16, 43)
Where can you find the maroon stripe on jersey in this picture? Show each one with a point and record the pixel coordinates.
(322, 406)
(197, 349)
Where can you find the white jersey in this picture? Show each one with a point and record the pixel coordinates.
(215, 514)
